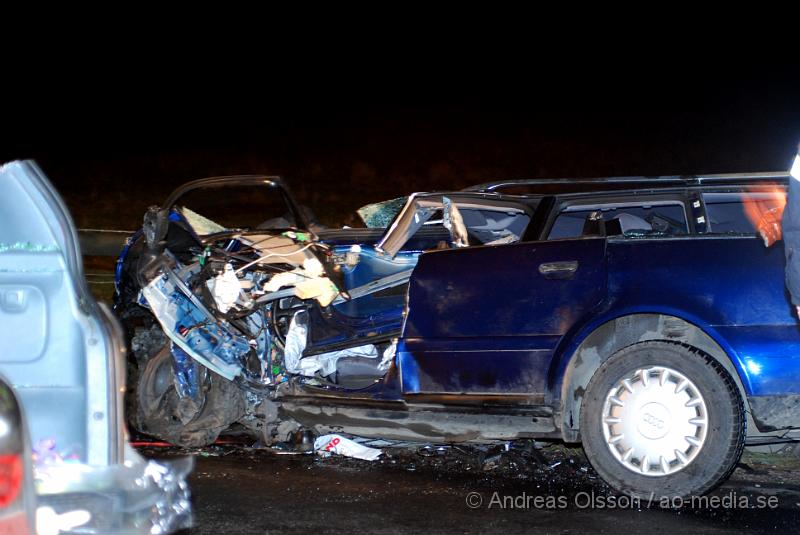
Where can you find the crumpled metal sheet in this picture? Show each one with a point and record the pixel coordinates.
(309, 282)
(185, 373)
(324, 363)
(172, 308)
(135, 498)
(296, 340)
(454, 223)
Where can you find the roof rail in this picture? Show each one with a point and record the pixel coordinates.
(744, 177)
(687, 180)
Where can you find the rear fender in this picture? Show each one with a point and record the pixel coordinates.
(575, 365)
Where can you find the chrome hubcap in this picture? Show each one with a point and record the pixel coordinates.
(655, 421)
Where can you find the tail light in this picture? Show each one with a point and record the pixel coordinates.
(17, 502)
(11, 473)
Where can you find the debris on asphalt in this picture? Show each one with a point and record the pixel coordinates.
(329, 444)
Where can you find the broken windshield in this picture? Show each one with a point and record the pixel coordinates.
(380, 214)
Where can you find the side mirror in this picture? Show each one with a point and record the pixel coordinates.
(154, 227)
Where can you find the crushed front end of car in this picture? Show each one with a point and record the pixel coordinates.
(235, 311)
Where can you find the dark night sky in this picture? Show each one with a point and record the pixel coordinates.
(123, 144)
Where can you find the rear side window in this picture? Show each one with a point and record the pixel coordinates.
(630, 219)
(739, 212)
(494, 227)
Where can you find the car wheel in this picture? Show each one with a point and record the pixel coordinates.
(162, 413)
(662, 420)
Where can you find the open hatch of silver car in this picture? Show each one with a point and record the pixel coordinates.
(64, 355)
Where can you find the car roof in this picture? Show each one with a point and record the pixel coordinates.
(553, 186)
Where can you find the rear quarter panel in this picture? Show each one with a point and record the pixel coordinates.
(731, 287)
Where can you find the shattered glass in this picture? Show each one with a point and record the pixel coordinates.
(379, 215)
(27, 247)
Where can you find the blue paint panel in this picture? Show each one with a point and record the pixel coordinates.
(129, 242)
(508, 343)
(499, 291)
(333, 327)
(731, 287)
(475, 372)
(768, 358)
(725, 281)
(460, 318)
(485, 319)
(373, 266)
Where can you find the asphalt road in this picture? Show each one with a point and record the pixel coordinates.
(551, 490)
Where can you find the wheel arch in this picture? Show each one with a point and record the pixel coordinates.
(573, 367)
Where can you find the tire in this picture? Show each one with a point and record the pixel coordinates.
(161, 413)
(633, 446)
(152, 402)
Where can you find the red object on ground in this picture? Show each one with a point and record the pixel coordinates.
(145, 444)
(156, 444)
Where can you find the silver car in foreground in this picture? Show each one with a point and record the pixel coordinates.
(64, 356)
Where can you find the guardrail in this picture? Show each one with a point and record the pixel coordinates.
(100, 248)
(102, 242)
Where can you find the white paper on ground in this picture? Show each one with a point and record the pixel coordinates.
(329, 444)
(48, 522)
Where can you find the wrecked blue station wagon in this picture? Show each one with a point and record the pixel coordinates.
(640, 317)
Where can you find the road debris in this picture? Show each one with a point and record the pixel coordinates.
(329, 444)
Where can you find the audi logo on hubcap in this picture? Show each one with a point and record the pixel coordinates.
(652, 420)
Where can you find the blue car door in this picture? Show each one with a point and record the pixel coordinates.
(486, 320)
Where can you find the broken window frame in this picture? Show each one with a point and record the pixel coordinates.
(759, 193)
(614, 200)
(420, 207)
(157, 218)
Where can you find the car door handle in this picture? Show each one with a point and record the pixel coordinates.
(559, 270)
